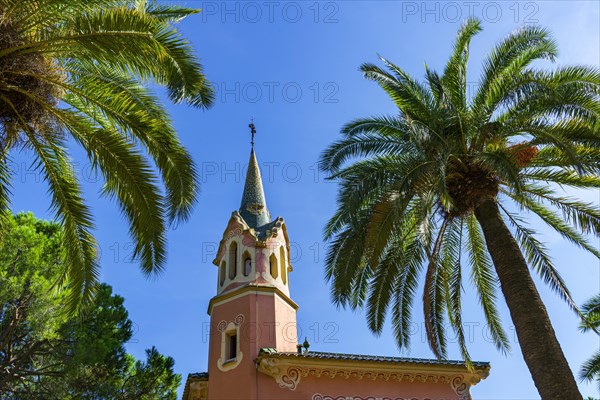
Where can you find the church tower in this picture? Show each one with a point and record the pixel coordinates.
(252, 308)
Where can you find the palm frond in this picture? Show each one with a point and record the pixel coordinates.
(568, 91)
(82, 270)
(562, 177)
(554, 221)
(452, 264)
(5, 192)
(454, 78)
(386, 216)
(508, 57)
(435, 86)
(586, 158)
(592, 307)
(345, 266)
(591, 315)
(590, 370)
(165, 12)
(365, 182)
(383, 286)
(406, 287)
(583, 216)
(407, 94)
(128, 106)
(484, 279)
(131, 42)
(81, 267)
(434, 295)
(131, 181)
(538, 259)
(361, 145)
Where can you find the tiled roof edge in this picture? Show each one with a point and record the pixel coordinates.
(376, 358)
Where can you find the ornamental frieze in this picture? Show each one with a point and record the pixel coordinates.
(289, 377)
(318, 396)
(324, 397)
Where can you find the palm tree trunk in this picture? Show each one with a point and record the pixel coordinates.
(539, 346)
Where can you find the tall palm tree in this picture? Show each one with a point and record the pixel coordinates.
(591, 311)
(429, 189)
(75, 71)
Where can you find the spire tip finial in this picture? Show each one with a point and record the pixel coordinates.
(252, 131)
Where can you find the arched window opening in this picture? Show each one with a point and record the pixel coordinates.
(273, 267)
(283, 265)
(222, 272)
(247, 264)
(233, 249)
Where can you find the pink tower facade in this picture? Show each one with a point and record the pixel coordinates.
(253, 346)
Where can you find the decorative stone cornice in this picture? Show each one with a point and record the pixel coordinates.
(250, 289)
(288, 372)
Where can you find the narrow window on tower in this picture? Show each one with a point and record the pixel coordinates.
(231, 346)
(222, 273)
(283, 265)
(231, 354)
(233, 249)
(247, 264)
(273, 266)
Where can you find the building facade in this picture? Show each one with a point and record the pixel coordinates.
(253, 348)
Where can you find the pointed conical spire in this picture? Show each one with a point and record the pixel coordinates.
(254, 206)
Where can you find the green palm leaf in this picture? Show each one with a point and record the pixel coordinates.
(78, 70)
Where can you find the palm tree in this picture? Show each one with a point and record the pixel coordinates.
(75, 72)
(429, 189)
(591, 310)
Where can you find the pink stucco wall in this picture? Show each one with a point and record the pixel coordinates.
(268, 321)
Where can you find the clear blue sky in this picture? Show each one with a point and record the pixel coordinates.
(293, 67)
